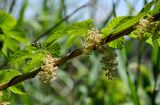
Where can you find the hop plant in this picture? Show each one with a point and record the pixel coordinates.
(48, 70)
(93, 40)
(109, 63)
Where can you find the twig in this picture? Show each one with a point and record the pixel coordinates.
(110, 14)
(64, 7)
(64, 59)
(12, 5)
(60, 22)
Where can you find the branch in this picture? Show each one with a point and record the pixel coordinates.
(12, 5)
(64, 7)
(20, 78)
(73, 54)
(60, 61)
(60, 22)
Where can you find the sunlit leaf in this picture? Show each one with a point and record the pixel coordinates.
(149, 41)
(34, 62)
(79, 29)
(54, 49)
(17, 89)
(118, 43)
(6, 20)
(6, 75)
(17, 58)
(156, 8)
(21, 56)
(18, 34)
(146, 8)
(109, 28)
(125, 23)
(70, 40)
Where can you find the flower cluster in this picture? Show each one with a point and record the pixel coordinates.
(147, 26)
(93, 40)
(4, 103)
(110, 63)
(48, 71)
(1, 101)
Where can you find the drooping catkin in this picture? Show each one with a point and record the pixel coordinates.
(2, 102)
(147, 27)
(93, 40)
(48, 72)
(109, 62)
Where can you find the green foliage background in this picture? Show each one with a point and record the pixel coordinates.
(80, 81)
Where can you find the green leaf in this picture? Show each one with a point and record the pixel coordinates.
(17, 89)
(79, 28)
(125, 23)
(6, 20)
(109, 28)
(6, 75)
(9, 44)
(17, 58)
(70, 40)
(54, 49)
(130, 21)
(18, 34)
(119, 24)
(13, 36)
(35, 62)
(133, 34)
(156, 8)
(149, 41)
(21, 56)
(118, 43)
(152, 39)
(56, 35)
(29, 58)
(146, 9)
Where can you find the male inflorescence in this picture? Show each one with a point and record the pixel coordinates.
(3, 102)
(147, 25)
(93, 41)
(110, 63)
(48, 70)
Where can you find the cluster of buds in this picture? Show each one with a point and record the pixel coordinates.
(92, 41)
(3, 102)
(48, 70)
(109, 63)
(147, 26)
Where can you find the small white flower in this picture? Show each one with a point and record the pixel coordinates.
(48, 72)
(93, 40)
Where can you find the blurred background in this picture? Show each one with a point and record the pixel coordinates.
(81, 81)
